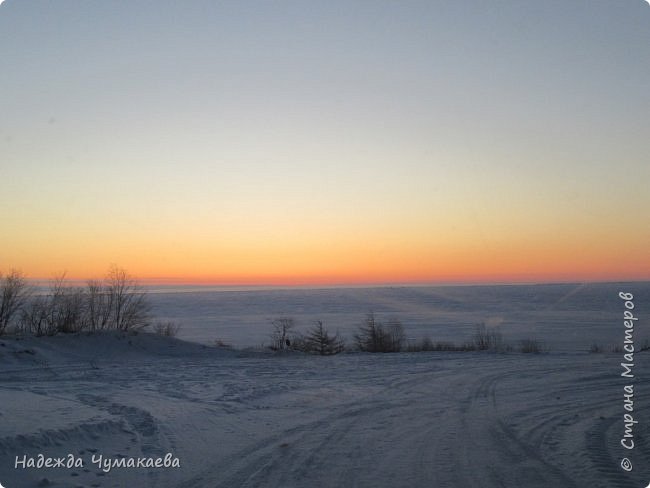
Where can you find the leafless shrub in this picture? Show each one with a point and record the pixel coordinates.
(73, 316)
(63, 310)
(468, 346)
(116, 303)
(426, 344)
(13, 294)
(99, 305)
(281, 337)
(34, 317)
(166, 329)
(596, 349)
(67, 307)
(530, 346)
(129, 306)
(486, 339)
(395, 333)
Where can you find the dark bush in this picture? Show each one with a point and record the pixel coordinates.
(282, 335)
(373, 336)
(530, 346)
(13, 294)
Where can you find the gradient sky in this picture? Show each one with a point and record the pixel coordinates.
(295, 142)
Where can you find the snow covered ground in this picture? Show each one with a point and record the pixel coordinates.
(256, 419)
(567, 317)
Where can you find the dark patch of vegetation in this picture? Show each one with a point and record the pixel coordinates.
(530, 346)
(489, 339)
(166, 329)
(13, 294)
(374, 336)
(115, 303)
(320, 341)
(596, 349)
(426, 344)
(283, 335)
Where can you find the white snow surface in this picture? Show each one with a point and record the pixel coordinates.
(261, 419)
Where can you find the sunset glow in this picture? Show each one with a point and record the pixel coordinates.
(344, 144)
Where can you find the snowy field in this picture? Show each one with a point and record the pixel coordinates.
(566, 317)
(257, 419)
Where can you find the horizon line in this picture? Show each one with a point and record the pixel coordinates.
(158, 282)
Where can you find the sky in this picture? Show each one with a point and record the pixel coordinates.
(326, 142)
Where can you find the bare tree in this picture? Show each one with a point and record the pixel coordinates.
(67, 307)
(166, 329)
(488, 339)
(129, 305)
(63, 310)
(34, 317)
(394, 335)
(99, 305)
(280, 337)
(321, 342)
(13, 293)
(118, 302)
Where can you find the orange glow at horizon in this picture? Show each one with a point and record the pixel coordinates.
(342, 262)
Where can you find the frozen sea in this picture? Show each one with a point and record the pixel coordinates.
(565, 317)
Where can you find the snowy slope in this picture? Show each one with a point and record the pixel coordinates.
(237, 419)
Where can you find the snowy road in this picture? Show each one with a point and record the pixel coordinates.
(356, 420)
(451, 422)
